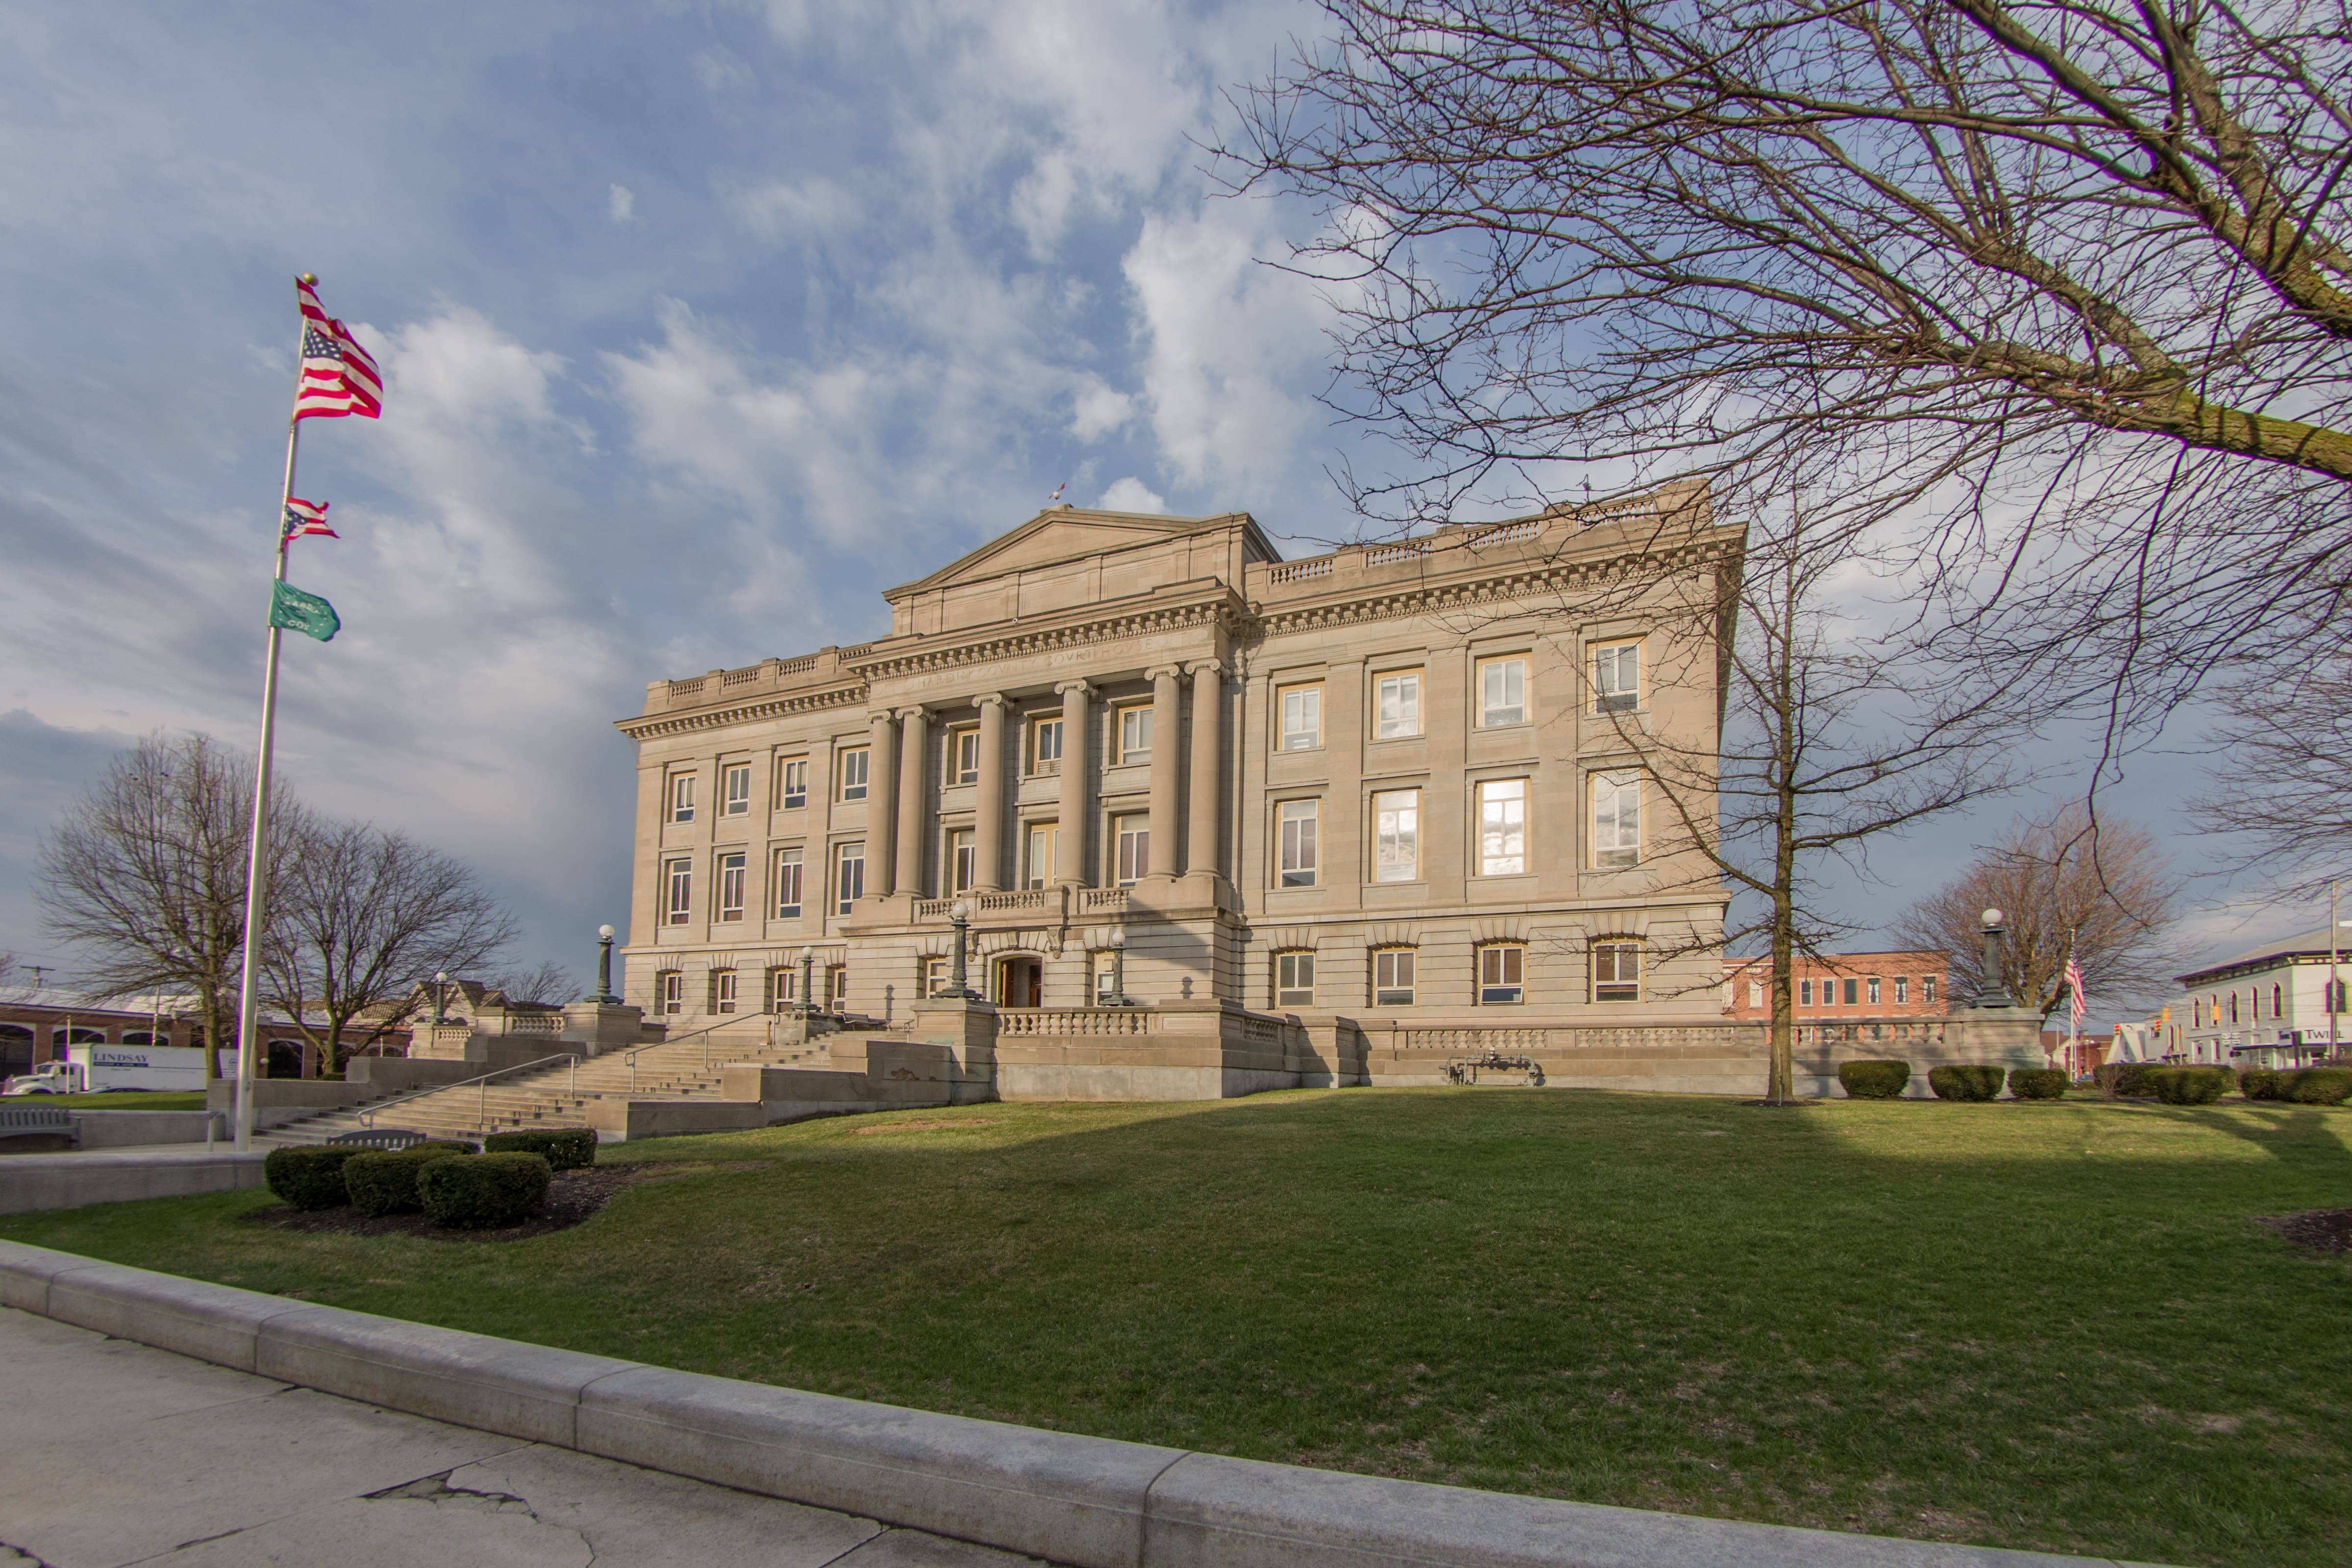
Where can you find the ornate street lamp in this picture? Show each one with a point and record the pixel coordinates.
(1994, 990)
(960, 913)
(808, 963)
(440, 978)
(605, 968)
(1118, 969)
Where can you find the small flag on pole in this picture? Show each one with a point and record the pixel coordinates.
(296, 611)
(307, 517)
(2075, 1007)
(339, 378)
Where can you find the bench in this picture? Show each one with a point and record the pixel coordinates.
(36, 1129)
(380, 1138)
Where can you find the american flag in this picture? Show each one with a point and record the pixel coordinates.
(338, 377)
(307, 517)
(2074, 995)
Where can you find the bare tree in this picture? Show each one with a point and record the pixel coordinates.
(549, 982)
(360, 916)
(144, 876)
(2287, 735)
(2079, 273)
(2098, 888)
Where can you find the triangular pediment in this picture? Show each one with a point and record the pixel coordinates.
(1068, 534)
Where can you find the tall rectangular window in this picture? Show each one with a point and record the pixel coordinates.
(1045, 746)
(1927, 990)
(1042, 845)
(1299, 856)
(1294, 980)
(963, 756)
(1502, 975)
(722, 991)
(852, 770)
(788, 884)
(848, 878)
(681, 797)
(1902, 989)
(1106, 973)
(963, 859)
(1502, 692)
(783, 987)
(669, 992)
(1616, 972)
(836, 988)
(1853, 995)
(1873, 991)
(792, 784)
(1756, 993)
(1617, 678)
(735, 798)
(679, 876)
(1396, 836)
(1503, 828)
(1132, 835)
(1804, 992)
(1302, 718)
(936, 976)
(1393, 977)
(1134, 735)
(1396, 706)
(1616, 819)
(731, 885)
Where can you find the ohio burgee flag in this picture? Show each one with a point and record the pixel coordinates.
(297, 610)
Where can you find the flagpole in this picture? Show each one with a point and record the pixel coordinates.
(256, 890)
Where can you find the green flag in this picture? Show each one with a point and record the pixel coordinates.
(306, 613)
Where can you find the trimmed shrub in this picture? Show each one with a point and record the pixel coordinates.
(385, 1182)
(2261, 1083)
(2126, 1078)
(2190, 1085)
(1875, 1079)
(1965, 1080)
(484, 1193)
(2317, 1086)
(309, 1178)
(565, 1149)
(2037, 1083)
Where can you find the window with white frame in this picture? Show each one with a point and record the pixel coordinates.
(1902, 989)
(681, 797)
(1131, 849)
(783, 987)
(1756, 993)
(1297, 820)
(1874, 990)
(1502, 974)
(722, 991)
(1302, 717)
(792, 782)
(669, 992)
(849, 877)
(963, 756)
(852, 771)
(735, 793)
(836, 987)
(788, 884)
(1616, 819)
(963, 859)
(1396, 706)
(936, 976)
(679, 877)
(1503, 828)
(1927, 990)
(1045, 746)
(1617, 678)
(1502, 691)
(1616, 972)
(1134, 735)
(1294, 980)
(1104, 963)
(1396, 836)
(1853, 996)
(1044, 845)
(731, 885)
(1804, 992)
(1392, 977)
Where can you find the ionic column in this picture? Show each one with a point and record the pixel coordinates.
(1201, 839)
(914, 738)
(988, 828)
(1167, 741)
(1071, 864)
(881, 821)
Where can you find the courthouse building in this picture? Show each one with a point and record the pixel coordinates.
(1397, 786)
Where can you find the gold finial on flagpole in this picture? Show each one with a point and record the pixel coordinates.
(306, 278)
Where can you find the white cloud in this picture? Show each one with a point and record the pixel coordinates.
(789, 208)
(1099, 409)
(621, 204)
(1131, 494)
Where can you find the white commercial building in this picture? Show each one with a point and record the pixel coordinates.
(2268, 1007)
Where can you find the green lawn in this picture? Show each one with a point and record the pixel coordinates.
(2051, 1326)
(120, 1099)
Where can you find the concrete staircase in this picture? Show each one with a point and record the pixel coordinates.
(558, 1094)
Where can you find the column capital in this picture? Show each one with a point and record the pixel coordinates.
(1066, 688)
(880, 716)
(1204, 667)
(913, 710)
(991, 700)
(1157, 671)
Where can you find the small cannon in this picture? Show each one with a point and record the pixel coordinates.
(1466, 1069)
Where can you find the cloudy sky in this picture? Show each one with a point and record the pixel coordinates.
(700, 324)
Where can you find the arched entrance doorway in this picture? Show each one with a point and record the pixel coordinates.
(1021, 981)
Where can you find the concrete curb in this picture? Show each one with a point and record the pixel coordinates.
(1089, 1501)
(29, 1183)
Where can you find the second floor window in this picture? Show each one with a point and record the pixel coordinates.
(1616, 972)
(735, 798)
(1042, 848)
(731, 885)
(1396, 706)
(1396, 836)
(722, 991)
(1617, 678)
(788, 884)
(1902, 989)
(963, 860)
(1502, 692)
(1927, 990)
(1045, 746)
(1302, 718)
(1804, 992)
(853, 772)
(1616, 819)
(792, 784)
(1852, 998)
(669, 992)
(1132, 835)
(783, 987)
(1134, 735)
(1299, 858)
(848, 878)
(681, 797)
(1756, 993)
(1873, 991)
(964, 752)
(1502, 975)
(1503, 828)
(679, 909)
(1294, 980)
(1393, 977)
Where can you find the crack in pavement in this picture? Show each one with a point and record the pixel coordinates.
(17, 1557)
(437, 1489)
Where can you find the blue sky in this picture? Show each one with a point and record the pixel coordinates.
(701, 324)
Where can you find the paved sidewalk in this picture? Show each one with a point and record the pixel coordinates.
(118, 1454)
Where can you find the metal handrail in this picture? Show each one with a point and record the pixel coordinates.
(480, 1117)
(629, 1057)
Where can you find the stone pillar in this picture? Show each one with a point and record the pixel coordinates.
(914, 753)
(1201, 839)
(881, 816)
(1071, 864)
(1166, 741)
(988, 827)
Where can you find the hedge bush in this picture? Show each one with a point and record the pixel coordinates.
(484, 1193)
(384, 1181)
(566, 1149)
(2261, 1083)
(2188, 1084)
(1875, 1079)
(1965, 1080)
(2126, 1078)
(2317, 1086)
(2037, 1083)
(309, 1178)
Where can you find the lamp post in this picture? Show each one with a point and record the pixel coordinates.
(1993, 991)
(960, 913)
(440, 978)
(808, 963)
(1118, 969)
(605, 968)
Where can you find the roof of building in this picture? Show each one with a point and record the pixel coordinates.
(2308, 944)
(1841, 961)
